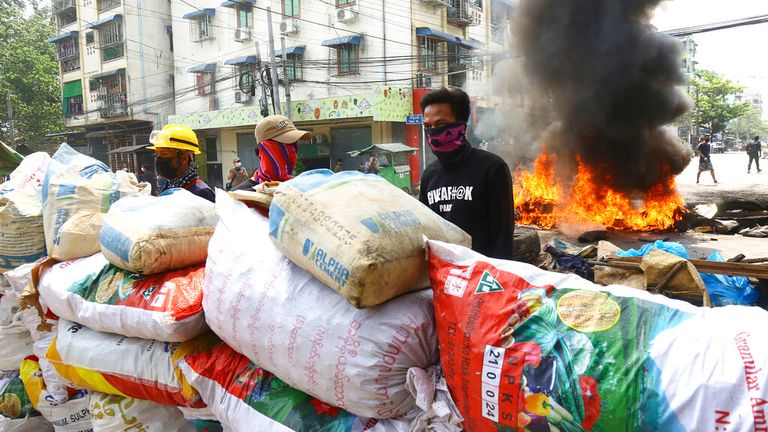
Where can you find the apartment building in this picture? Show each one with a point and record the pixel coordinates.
(116, 65)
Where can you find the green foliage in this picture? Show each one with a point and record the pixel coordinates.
(715, 96)
(749, 125)
(28, 73)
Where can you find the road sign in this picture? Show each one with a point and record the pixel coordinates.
(414, 119)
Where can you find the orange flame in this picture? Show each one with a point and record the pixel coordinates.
(542, 200)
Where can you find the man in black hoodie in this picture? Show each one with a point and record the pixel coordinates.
(469, 187)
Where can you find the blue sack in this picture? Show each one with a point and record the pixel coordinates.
(727, 290)
(672, 247)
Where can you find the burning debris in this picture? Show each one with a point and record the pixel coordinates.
(610, 83)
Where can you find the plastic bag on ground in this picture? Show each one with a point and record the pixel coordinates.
(729, 290)
(670, 247)
(71, 416)
(111, 413)
(516, 357)
(123, 366)
(370, 251)
(94, 293)
(289, 323)
(78, 186)
(150, 235)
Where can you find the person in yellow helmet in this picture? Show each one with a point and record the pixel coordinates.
(175, 148)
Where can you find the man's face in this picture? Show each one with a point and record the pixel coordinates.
(437, 115)
(171, 163)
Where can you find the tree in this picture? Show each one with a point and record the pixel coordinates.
(749, 125)
(28, 74)
(717, 100)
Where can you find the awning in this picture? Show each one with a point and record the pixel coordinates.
(426, 31)
(101, 22)
(383, 148)
(240, 60)
(344, 40)
(200, 12)
(203, 68)
(72, 88)
(128, 149)
(62, 36)
(120, 71)
(231, 4)
(471, 43)
(296, 50)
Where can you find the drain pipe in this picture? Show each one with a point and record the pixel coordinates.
(384, 31)
(143, 79)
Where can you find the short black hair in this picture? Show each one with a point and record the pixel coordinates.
(757, 137)
(454, 96)
(145, 166)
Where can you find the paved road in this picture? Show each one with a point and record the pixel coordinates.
(733, 181)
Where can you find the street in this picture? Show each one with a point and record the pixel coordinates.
(733, 181)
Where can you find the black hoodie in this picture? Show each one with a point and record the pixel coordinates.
(473, 190)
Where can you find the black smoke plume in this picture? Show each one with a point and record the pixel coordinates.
(611, 82)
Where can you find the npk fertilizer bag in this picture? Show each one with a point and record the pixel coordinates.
(151, 235)
(526, 349)
(357, 233)
(292, 325)
(77, 191)
(111, 413)
(92, 292)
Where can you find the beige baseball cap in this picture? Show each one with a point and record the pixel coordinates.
(280, 129)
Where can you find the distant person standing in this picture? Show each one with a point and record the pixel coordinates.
(338, 167)
(705, 161)
(373, 165)
(147, 175)
(754, 151)
(237, 174)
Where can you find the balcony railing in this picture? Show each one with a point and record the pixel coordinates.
(63, 5)
(103, 5)
(113, 105)
(70, 65)
(66, 18)
(464, 13)
(65, 53)
(437, 3)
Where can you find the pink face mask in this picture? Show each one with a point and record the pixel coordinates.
(446, 138)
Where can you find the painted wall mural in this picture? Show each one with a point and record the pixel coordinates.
(388, 103)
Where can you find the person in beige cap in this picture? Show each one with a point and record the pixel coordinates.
(278, 150)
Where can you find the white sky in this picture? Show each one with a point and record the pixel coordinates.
(737, 53)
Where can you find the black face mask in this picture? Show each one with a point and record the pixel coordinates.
(164, 167)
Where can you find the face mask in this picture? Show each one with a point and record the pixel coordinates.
(238, 165)
(164, 167)
(446, 138)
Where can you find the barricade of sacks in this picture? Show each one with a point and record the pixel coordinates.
(178, 314)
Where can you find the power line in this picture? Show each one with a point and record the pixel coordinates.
(722, 25)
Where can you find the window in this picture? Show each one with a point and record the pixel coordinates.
(244, 16)
(211, 149)
(204, 83)
(342, 3)
(291, 8)
(111, 41)
(112, 95)
(293, 68)
(102, 5)
(347, 59)
(428, 48)
(201, 28)
(72, 98)
(90, 38)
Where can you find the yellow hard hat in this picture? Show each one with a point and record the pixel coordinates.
(175, 136)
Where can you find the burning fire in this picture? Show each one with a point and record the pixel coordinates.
(542, 200)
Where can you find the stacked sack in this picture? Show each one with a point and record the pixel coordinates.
(328, 299)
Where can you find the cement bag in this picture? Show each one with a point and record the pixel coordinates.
(289, 323)
(151, 235)
(78, 186)
(21, 237)
(92, 292)
(71, 416)
(111, 413)
(123, 366)
(247, 398)
(357, 233)
(516, 357)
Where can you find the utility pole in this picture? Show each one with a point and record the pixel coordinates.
(11, 131)
(285, 77)
(263, 107)
(273, 65)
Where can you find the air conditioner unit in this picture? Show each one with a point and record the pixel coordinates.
(242, 34)
(242, 98)
(345, 15)
(289, 26)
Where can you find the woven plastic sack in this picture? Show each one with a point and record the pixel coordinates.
(30, 424)
(92, 292)
(150, 235)
(526, 349)
(81, 188)
(111, 413)
(70, 416)
(289, 323)
(14, 401)
(246, 397)
(15, 339)
(123, 366)
(21, 238)
(358, 234)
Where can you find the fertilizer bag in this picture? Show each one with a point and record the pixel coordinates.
(111, 413)
(94, 293)
(529, 349)
(17, 414)
(357, 233)
(289, 323)
(81, 188)
(151, 235)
